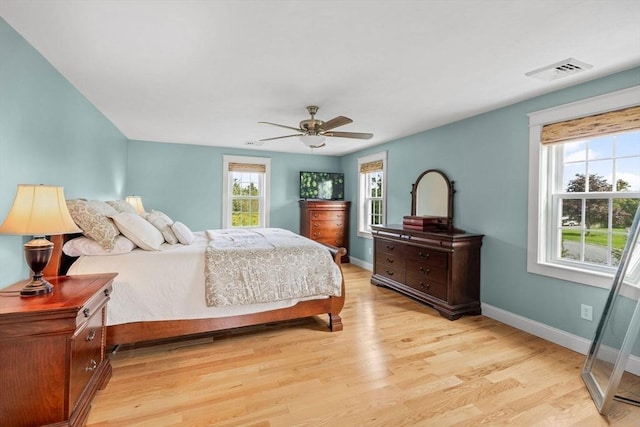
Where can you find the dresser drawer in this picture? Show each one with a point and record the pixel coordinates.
(389, 247)
(427, 256)
(86, 354)
(427, 286)
(326, 225)
(392, 273)
(328, 215)
(427, 271)
(393, 260)
(327, 233)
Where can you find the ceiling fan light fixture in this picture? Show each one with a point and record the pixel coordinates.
(312, 140)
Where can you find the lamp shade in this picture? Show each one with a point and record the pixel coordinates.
(136, 202)
(312, 140)
(39, 210)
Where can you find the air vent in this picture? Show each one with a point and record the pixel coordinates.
(256, 143)
(559, 69)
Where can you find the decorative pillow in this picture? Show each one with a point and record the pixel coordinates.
(122, 206)
(162, 222)
(103, 207)
(184, 235)
(86, 246)
(93, 223)
(139, 230)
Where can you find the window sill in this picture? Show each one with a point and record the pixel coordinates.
(365, 234)
(584, 277)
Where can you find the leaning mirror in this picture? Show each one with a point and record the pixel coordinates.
(605, 371)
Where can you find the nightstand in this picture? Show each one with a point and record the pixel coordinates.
(52, 351)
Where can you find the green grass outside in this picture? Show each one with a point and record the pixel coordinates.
(245, 219)
(619, 238)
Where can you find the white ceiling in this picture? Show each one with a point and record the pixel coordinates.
(205, 72)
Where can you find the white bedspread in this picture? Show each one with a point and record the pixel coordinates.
(163, 285)
(249, 266)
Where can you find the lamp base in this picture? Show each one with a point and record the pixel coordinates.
(37, 253)
(36, 287)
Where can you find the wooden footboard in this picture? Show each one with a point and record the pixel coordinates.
(147, 331)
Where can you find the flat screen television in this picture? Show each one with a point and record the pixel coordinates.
(322, 185)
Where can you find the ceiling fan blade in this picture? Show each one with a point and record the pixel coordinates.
(282, 126)
(281, 137)
(318, 146)
(356, 135)
(336, 122)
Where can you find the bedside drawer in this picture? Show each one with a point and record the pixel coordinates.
(86, 354)
(328, 215)
(427, 286)
(326, 225)
(93, 305)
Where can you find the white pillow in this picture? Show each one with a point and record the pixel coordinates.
(139, 230)
(86, 246)
(122, 206)
(184, 235)
(103, 207)
(162, 222)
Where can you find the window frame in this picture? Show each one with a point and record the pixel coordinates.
(540, 172)
(364, 229)
(227, 193)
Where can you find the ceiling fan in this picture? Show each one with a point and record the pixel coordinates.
(312, 132)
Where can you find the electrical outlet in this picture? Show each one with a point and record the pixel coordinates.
(369, 251)
(586, 312)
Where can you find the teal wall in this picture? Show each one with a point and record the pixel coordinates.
(44, 121)
(49, 134)
(487, 157)
(185, 181)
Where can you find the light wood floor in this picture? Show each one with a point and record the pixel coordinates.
(397, 363)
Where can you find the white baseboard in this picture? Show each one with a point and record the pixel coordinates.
(556, 336)
(360, 263)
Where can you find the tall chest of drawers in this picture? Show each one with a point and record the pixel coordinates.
(52, 351)
(326, 221)
(439, 269)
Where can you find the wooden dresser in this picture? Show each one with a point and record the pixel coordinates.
(52, 351)
(439, 269)
(326, 221)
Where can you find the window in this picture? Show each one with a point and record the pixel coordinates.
(372, 189)
(584, 186)
(246, 191)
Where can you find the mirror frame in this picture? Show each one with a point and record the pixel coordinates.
(604, 386)
(450, 189)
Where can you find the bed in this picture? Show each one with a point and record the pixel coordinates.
(159, 294)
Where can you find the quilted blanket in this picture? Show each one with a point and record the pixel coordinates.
(249, 266)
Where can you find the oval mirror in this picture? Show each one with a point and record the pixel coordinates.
(432, 195)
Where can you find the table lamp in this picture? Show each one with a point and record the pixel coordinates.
(39, 211)
(136, 202)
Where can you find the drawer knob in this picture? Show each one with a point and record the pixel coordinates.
(425, 271)
(423, 286)
(92, 366)
(424, 255)
(316, 225)
(390, 247)
(91, 335)
(390, 273)
(390, 260)
(86, 312)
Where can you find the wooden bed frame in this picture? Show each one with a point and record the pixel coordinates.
(135, 332)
